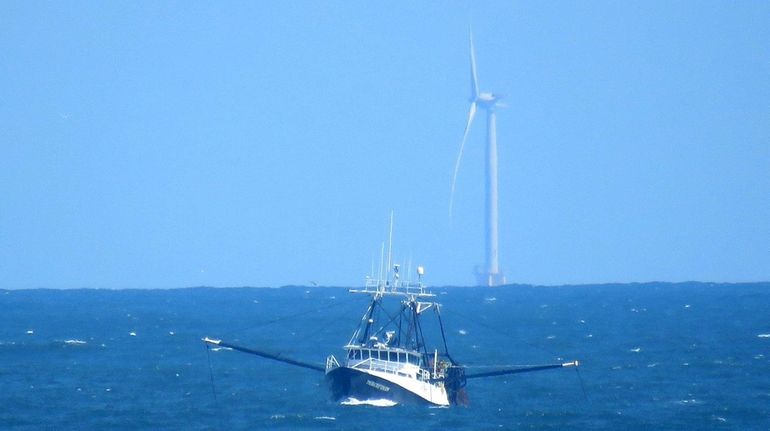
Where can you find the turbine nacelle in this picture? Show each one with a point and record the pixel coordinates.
(489, 100)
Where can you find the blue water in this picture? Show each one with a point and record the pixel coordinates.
(654, 356)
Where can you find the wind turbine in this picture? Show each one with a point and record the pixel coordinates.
(491, 275)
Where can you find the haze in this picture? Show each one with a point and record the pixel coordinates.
(161, 144)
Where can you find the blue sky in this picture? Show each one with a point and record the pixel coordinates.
(162, 144)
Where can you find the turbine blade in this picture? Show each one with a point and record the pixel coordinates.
(471, 114)
(474, 78)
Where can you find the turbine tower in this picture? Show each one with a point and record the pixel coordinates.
(491, 274)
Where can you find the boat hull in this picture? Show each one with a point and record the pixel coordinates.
(346, 383)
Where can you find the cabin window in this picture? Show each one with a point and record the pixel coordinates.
(366, 354)
(358, 354)
(393, 356)
(402, 357)
(350, 354)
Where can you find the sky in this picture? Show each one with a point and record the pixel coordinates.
(171, 144)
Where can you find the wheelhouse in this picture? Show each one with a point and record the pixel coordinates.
(356, 355)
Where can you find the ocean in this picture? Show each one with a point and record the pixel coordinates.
(653, 356)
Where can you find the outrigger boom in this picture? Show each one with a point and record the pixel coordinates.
(268, 355)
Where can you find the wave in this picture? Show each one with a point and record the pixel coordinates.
(376, 403)
(691, 401)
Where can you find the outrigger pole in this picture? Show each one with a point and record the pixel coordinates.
(521, 370)
(268, 355)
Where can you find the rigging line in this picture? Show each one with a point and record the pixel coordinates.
(493, 328)
(211, 376)
(582, 386)
(418, 332)
(334, 303)
(323, 325)
(443, 335)
(213, 388)
(369, 320)
(392, 319)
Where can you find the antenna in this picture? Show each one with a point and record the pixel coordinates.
(390, 241)
(382, 254)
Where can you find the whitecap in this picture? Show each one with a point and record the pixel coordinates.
(171, 333)
(636, 349)
(325, 418)
(652, 365)
(758, 336)
(132, 333)
(74, 341)
(490, 299)
(376, 403)
(30, 332)
(550, 337)
(216, 349)
(463, 332)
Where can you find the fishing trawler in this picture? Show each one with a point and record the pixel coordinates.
(388, 357)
